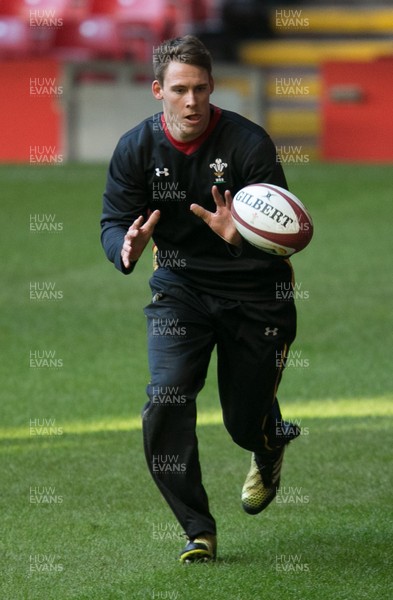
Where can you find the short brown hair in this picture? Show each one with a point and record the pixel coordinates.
(187, 49)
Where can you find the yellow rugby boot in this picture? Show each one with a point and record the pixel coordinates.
(202, 548)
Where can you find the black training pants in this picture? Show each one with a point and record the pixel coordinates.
(252, 339)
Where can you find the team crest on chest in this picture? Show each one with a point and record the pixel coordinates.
(219, 167)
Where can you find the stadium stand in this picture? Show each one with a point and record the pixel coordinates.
(20, 39)
(81, 29)
(288, 42)
(305, 39)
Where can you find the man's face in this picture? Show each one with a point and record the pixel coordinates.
(185, 96)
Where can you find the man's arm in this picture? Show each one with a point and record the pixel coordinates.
(137, 237)
(125, 226)
(262, 165)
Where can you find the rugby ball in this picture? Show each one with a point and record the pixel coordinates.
(272, 219)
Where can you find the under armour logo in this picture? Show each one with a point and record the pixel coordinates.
(164, 172)
(269, 331)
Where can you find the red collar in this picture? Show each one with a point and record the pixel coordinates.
(190, 147)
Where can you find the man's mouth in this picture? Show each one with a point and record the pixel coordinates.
(193, 118)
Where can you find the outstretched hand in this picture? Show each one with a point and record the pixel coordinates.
(137, 237)
(221, 221)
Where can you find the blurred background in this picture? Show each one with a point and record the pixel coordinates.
(75, 74)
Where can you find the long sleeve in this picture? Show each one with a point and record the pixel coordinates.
(124, 200)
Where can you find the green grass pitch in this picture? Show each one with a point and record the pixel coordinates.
(81, 518)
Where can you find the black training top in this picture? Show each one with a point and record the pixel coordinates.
(150, 170)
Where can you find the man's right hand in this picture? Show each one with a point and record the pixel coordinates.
(137, 237)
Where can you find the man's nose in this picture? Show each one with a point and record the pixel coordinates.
(190, 100)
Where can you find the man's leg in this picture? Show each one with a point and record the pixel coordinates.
(180, 344)
(252, 346)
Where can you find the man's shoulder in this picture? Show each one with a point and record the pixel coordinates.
(142, 131)
(242, 123)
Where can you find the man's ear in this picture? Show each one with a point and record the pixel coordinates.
(211, 82)
(156, 90)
